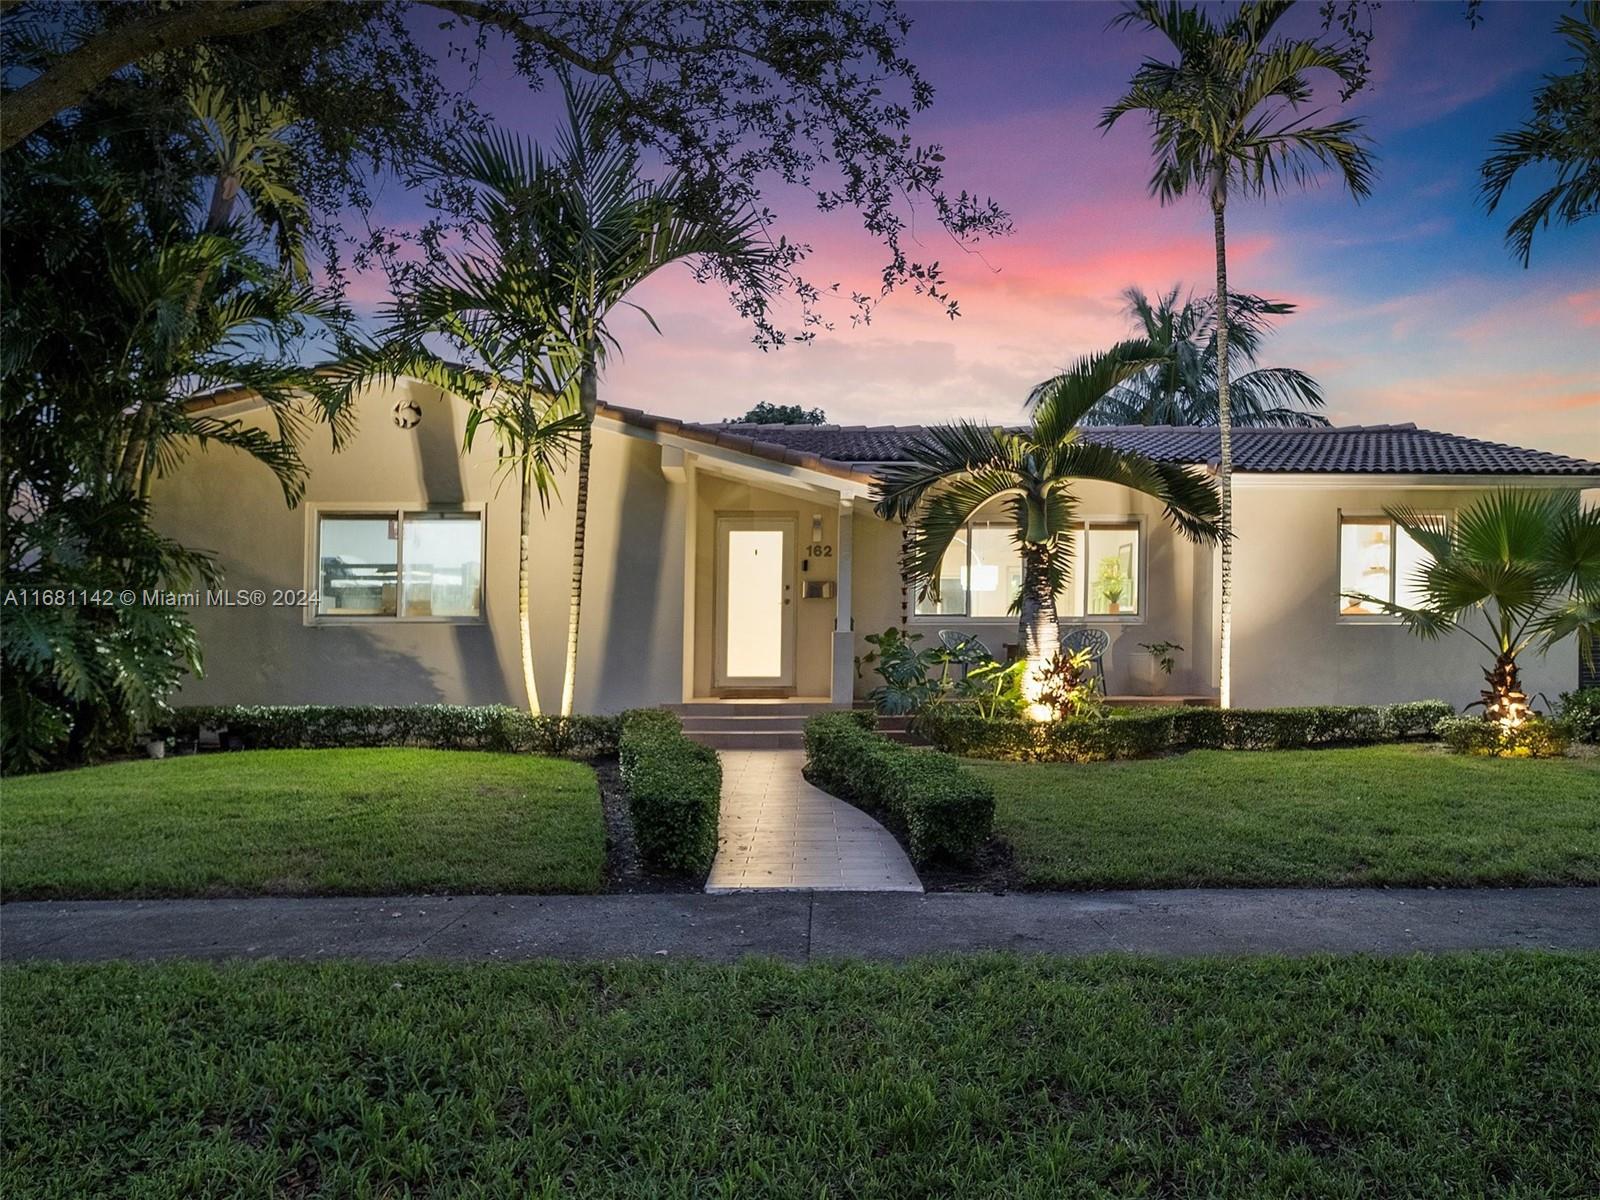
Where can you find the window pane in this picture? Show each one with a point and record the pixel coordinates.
(1070, 602)
(996, 575)
(1112, 559)
(1364, 564)
(952, 582)
(1409, 559)
(443, 564)
(356, 574)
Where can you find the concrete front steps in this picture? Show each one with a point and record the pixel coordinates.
(749, 724)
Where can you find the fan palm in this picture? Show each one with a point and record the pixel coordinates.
(954, 470)
(1181, 388)
(589, 230)
(1227, 118)
(1527, 562)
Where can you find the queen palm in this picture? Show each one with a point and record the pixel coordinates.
(1227, 117)
(593, 230)
(955, 470)
(1526, 562)
(1181, 387)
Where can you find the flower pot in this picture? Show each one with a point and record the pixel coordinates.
(1156, 681)
(156, 748)
(1113, 607)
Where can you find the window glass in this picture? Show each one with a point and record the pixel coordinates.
(1364, 562)
(1111, 563)
(1409, 559)
(952, 599)
(995, 575)
(359, 557)
(443, 564)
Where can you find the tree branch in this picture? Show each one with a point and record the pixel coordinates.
(77, 73)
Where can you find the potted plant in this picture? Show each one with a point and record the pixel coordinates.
(1162, 658)
(1111, 582)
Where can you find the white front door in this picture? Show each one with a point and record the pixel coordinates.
(755, 602)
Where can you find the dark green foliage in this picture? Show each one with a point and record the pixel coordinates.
(1580, 713)
(768, 413)
(945, 812)
(1534, 738)
(430, 726)
(1141, 734)
(674, 789)
(1015, 1077)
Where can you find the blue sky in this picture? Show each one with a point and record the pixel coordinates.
(1411, 307)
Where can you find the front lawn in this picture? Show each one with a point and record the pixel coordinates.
(304, 822)
(988, 1076)
(1375, 815)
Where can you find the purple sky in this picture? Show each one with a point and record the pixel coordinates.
(1411, 309)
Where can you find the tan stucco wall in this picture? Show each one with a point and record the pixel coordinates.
(633, 604)
(1290, 645)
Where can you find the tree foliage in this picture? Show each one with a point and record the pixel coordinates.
(767, 413)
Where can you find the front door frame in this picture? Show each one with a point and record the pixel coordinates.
(788, 524)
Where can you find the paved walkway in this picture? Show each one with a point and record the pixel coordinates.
(799, 926)
(780, 832)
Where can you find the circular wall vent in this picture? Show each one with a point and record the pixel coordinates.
(407, 414)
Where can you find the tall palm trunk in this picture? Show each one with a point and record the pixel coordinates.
(1504, 700)
(589, 400)
(1225, 452)
(1036, 624)
(524, 621)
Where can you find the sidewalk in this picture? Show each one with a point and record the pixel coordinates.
(799, 926)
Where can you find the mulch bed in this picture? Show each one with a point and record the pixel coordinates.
(625, 871)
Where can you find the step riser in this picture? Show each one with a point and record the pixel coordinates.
(743, 724)
(749, 741)
(749, 708)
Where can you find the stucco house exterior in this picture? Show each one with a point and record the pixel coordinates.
(730, 561)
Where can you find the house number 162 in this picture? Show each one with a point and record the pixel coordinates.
(819, 551)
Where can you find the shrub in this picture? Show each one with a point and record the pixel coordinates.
(430, 726)
(1143, 733)
(1480, 736)
(1580, 713)
(944, 811)
(674, 791)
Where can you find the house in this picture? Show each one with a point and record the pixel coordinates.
(733, 561)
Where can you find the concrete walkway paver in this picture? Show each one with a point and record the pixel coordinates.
(777, 831)
(801, 926)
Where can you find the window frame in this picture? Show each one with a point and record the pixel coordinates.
(393, 511)
(1343, 517)
(1134, 521)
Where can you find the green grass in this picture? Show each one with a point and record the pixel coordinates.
(304, 822)
(1377, 815)
(990, 1076)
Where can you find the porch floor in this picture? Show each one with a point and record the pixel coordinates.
(780, 832)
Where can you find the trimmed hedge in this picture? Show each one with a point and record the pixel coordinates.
(945, 811)
(1485, 738)
(1580, 713)
(674, 790)
(960, 730)
(426, 726)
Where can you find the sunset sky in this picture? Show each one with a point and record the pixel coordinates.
(1411, 308)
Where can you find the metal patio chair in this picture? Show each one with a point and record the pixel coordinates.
(1095, 641)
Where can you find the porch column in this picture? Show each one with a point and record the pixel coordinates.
(844, 638)
(679, 470)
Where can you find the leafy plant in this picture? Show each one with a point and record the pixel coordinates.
(1067, 688)
(1110, 581)
(1163, 653)
(904, 670)
(994, 688)
(1580, 712)
(1533, 738)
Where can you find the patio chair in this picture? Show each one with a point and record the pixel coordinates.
(961, 647)
(1095, 641)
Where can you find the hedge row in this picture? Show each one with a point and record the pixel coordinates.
(944, 811)
(957, 729)
(430, 726)
(674, 790)
(1531, 739)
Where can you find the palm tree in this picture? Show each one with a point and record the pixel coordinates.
(1181, 388)
(593, 230)
(957, 469)
(1564, 132)
(1528, 562)
(1226, 118)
